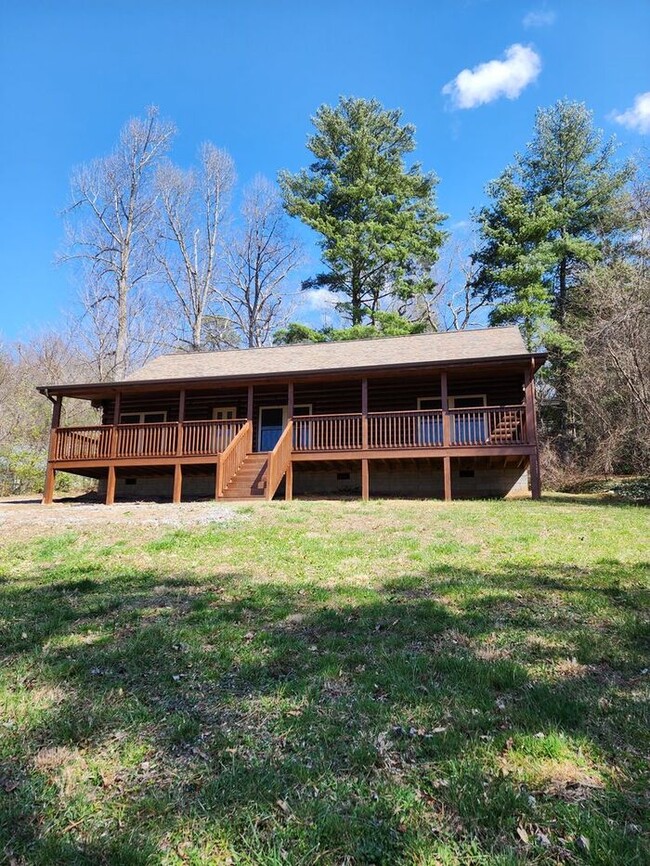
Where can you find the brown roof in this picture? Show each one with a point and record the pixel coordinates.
(453, 347)
(450, 346)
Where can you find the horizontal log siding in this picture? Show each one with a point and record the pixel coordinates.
(395, 394)
(198, 404)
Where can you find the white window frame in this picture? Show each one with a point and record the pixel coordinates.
(483, 397)
(141, 416)
(216, 409)
(452, 401)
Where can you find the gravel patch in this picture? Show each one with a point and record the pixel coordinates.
(20, 516)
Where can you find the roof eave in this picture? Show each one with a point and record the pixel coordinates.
(108, 388)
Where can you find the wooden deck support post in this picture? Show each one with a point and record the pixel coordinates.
(365, 479)
(531, 432)
(217, 478)
(178, 483)
(446, 469)
(50, 481)
(288, 483)
(110, 486)
(50, 473)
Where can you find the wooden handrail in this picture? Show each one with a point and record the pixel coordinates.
(233, 456)
(279, 459)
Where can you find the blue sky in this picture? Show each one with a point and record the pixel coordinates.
(248, 75)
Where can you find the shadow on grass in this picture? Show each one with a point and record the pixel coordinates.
(599, 499)
(188, 719)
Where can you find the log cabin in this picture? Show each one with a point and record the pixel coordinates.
(444, 415)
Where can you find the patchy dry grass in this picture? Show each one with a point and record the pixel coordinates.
(331, 683)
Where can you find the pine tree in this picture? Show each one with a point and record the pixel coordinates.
(554, 214)
(377, 217)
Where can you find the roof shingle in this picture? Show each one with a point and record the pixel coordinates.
(327, 357)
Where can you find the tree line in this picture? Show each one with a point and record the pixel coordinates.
(163, 262)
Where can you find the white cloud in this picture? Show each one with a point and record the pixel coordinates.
(488, 81)
(319, 300)
(539, 18)
(637, 117)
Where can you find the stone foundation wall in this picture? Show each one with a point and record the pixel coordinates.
(386, 480)
(424, 482)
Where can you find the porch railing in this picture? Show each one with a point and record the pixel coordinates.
(405, 429)
(146, 440)
(486, 425)
(327, 432)
(170, 439)
(492, 425)
(82, 443)
(209, 437)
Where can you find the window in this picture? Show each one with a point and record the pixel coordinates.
(469, 427)
(224, 413)
(430, 427)
(143, 417)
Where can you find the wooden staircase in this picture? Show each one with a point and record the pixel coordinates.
(250, 480)
(507, 429)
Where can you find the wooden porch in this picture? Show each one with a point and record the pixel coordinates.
(494, 431)
(236, 449)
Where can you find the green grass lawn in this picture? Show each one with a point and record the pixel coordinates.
(330, 683)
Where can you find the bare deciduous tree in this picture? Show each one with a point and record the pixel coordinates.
(261, 258)
(25, 418)
(454, 306)
(193, 208)
(110, 225)
(610, 384)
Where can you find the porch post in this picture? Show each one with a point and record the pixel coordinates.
(365, 479)
(117, 405)
(446, 467)
(446, 434)
(290, 400)
(50, 473)
(181, 418)
(444, 404)
(249, 415)
(364, 418)
(110, 485)
(110, 481)
(531, 432)
(178, 483)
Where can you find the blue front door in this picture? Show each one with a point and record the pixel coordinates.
(271, 427)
